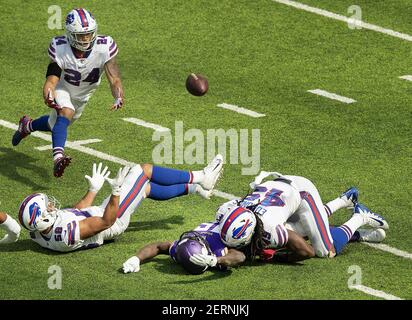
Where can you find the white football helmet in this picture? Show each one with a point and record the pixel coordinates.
(37, 212)
(225, 208)
(79, 23)
(237, 227)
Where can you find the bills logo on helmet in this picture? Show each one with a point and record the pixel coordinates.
(240, 232)
(70, 18)
(35, 211)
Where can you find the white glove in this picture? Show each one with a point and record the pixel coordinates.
(117, 182)
(96, 181)
(204, 260)
(262, 175)
(131, 265)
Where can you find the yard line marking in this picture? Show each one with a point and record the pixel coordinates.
(72, 145)
(409, 78)
(91, 152)
(373, 292)
(241, 110)
(78, 142)
(332, 96)
(389, 249)
(146, 124)
(225, 195)
(339, 17)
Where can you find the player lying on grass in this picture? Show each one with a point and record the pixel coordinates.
(88, 226)
(195, 250)
(281, 212)
(203, 247)
(77, 63)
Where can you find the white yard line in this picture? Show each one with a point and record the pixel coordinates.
(342, 18)
(146, 124)
(332, 96)
(376, 293)
(389, 249)
(241, 110)
(409, 78)
(78, 143)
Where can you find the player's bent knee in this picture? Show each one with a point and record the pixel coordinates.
(67, 113)
(147, 169)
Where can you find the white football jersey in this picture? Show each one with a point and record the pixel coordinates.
(277, 202)
(65, 234)
(81, 76)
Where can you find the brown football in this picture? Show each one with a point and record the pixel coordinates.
(197, 84)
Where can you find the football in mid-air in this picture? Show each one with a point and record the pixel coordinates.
(197, 84)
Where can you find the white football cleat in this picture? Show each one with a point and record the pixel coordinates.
(371, 235)
(371, 219)
(212, 172)
(206, 194)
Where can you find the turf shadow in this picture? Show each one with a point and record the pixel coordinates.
(26, 245)
(10, 163)
(170, 267)
(161, 224)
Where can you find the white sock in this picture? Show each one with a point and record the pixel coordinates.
(197, 176)
(10, 225)
(354, 223)
(191, 188)
(336, 204)
(57, 153)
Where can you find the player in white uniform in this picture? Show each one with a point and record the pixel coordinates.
(78, 61)
(88, 226)
(289, 208)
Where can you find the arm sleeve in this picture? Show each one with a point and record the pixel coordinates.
(53, 69)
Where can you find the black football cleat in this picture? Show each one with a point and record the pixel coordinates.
(61, 164)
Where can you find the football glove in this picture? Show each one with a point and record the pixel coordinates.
(204, 260)
(117, 182)
(96, 181)
(131, 265)
(51, 101)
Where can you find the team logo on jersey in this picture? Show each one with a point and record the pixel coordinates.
(70, 18)
(240, 232)
(34, 211)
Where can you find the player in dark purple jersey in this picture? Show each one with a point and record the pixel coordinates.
(196, 251)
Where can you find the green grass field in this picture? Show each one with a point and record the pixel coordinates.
(260, 55)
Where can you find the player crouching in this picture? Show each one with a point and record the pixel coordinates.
(77, 62)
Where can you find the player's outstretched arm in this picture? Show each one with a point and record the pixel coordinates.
(52, 78)
(96, 182)
(93, 225)
(300, 249)
(144, 254)
(113, 75)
